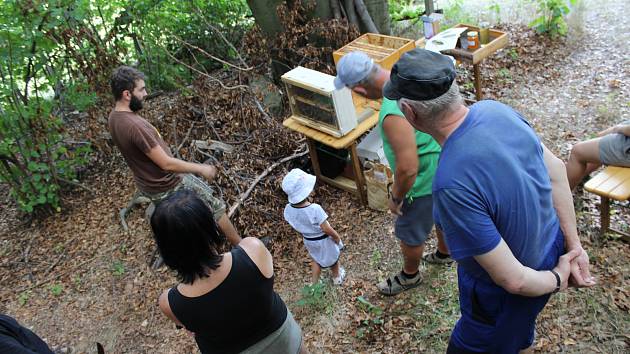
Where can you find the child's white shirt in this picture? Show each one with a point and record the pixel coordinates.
(306, 220)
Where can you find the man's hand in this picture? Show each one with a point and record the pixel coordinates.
(395, 207)
(580, 274)
(208, 172)
(563, 268)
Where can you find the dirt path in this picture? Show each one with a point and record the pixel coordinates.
(98, 286)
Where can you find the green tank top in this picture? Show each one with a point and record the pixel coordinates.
(428, 152)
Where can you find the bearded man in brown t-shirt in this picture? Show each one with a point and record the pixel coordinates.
(156, 172)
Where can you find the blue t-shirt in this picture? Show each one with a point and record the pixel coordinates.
(492, 183)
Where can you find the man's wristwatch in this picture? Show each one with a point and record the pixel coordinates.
(558, 282)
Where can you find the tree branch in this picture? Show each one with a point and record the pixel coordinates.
(204, 74)
(249, 190)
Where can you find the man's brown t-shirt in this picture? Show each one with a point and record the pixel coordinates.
(135, 137)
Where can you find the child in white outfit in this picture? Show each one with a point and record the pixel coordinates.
(309, 219)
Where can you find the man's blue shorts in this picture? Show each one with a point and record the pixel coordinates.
(493, 320)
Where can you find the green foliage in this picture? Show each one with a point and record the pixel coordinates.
(375, 258)
(512, 53)
(56, 56)
(23, 297)
(455, 13)
(496, 10)
(56, 289)
(118, 268)
(551, 17)
(405, 10)
(317, 297)
(372, 318)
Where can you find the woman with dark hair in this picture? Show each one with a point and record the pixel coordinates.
(227, 300)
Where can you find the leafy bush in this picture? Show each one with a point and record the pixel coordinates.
(551, 19)
(34, 157)
(405, 10)
(57, 56)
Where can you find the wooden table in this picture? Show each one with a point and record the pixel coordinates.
(348, 141)
(498, 40)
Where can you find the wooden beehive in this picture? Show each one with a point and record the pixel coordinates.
(385, 50)
(315, 102)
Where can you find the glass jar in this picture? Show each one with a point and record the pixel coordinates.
(473, 40)
(484, 32)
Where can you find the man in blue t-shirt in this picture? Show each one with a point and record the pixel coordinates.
(503, 202)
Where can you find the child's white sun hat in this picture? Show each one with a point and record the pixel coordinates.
(298, 184)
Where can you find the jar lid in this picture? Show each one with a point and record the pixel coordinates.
(472, 33)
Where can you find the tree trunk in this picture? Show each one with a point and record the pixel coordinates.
(379, 10)
(266, 17)
(351, 13)
(366, 19)
(334, 6)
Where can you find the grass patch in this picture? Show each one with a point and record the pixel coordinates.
(318, 298)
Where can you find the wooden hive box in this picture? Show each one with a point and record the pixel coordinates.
(315, 102)
(385, 50)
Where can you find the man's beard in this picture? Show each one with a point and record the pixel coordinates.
(135, 104)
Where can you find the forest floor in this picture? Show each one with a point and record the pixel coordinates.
(76, 278)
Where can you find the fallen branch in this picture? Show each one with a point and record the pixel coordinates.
(185, 138)
(249, 190)
(208, 54)
(203, 73)
(76, 184)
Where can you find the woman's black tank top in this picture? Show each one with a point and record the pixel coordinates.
(238, 313)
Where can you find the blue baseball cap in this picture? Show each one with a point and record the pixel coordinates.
(352, 68)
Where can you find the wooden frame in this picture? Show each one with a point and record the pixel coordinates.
(335, 115)
(385, 50)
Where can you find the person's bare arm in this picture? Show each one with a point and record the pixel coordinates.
(172, 164)
(563, 203)
(328, 230)
(166, 308)
(259, 254)
(507, 272)
(402, 138)
(617, 129)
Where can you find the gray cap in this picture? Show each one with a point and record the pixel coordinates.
(352, 68)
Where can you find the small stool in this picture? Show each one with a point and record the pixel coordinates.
(612, 183)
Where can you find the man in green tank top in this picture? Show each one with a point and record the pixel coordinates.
(413, 156)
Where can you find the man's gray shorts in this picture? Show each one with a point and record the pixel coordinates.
(413, 227)
(614, 149)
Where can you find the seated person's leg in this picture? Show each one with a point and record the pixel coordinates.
(583, 160)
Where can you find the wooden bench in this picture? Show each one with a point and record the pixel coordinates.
(612, 183)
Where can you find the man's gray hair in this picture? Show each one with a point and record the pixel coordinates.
(370, 77)
(431, 111)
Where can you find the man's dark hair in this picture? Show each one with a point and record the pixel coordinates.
(186, 235)
(124, 78)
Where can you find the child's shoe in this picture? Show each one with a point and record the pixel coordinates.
(342, 247)
(342, 275)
